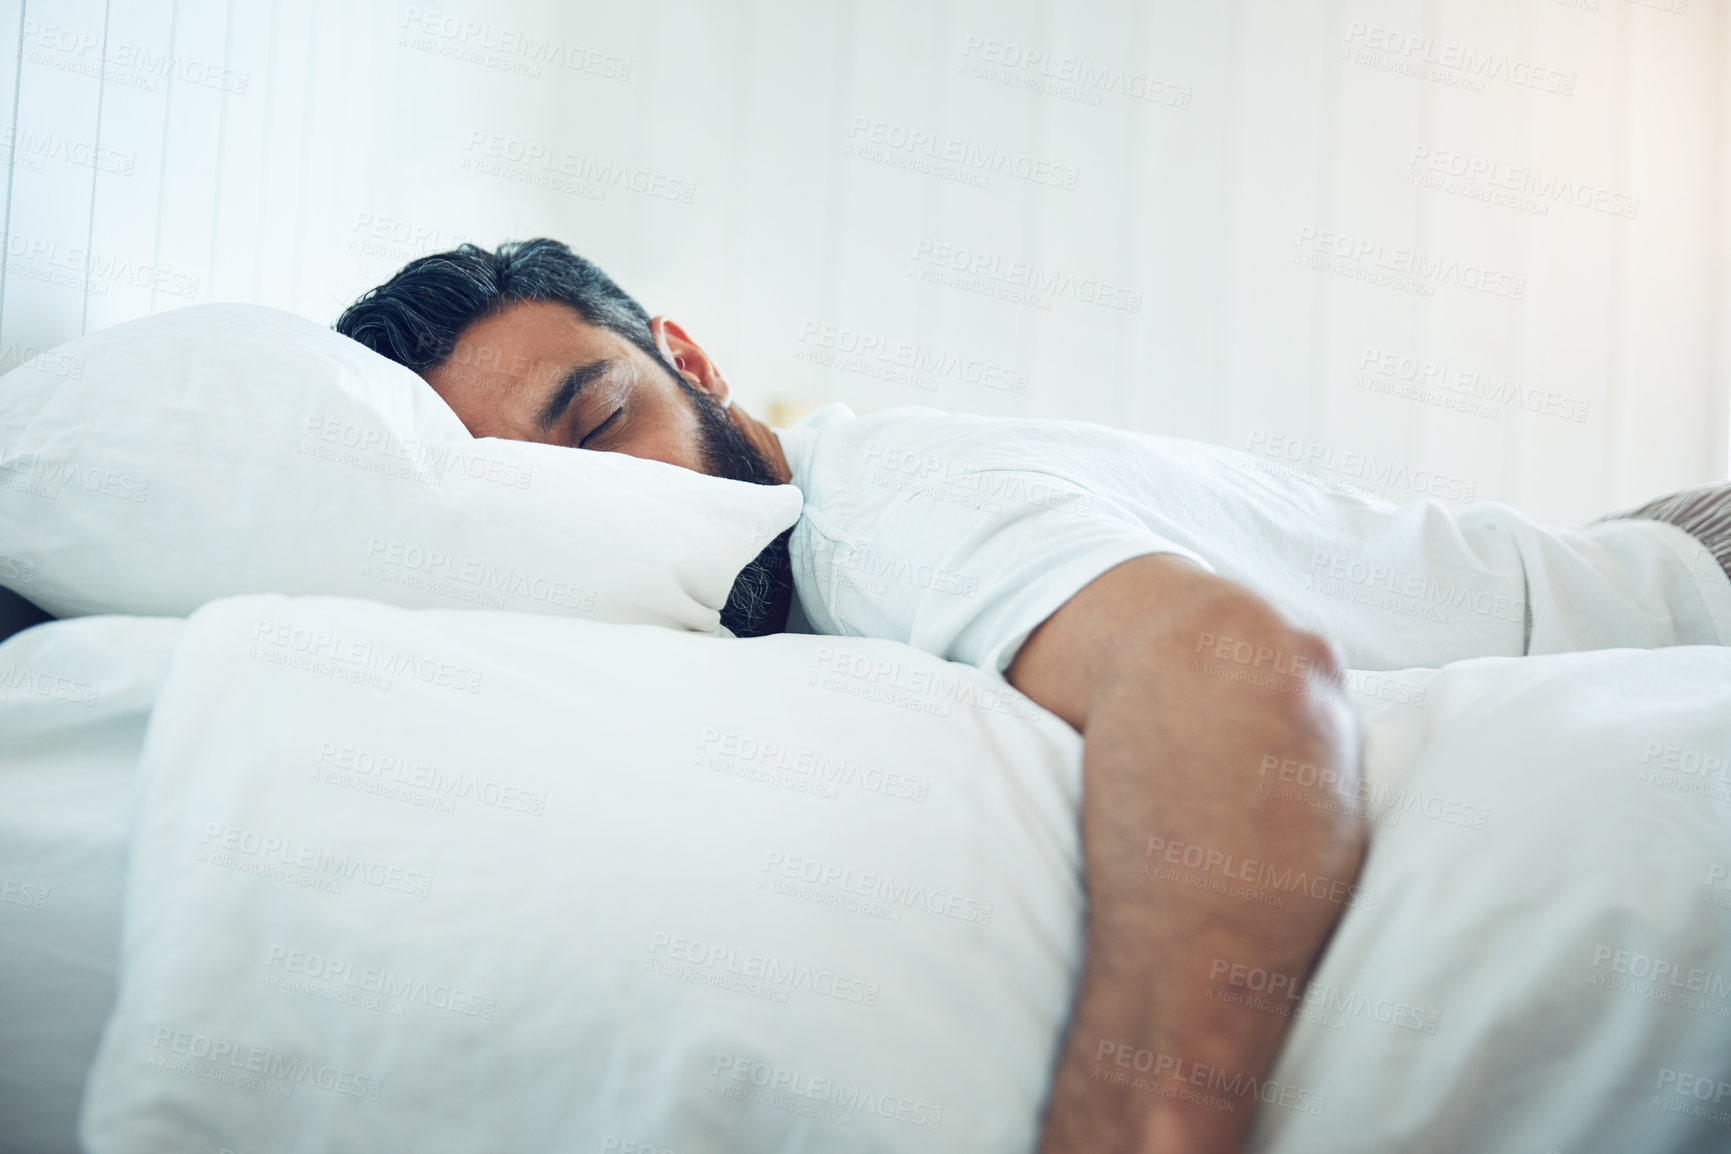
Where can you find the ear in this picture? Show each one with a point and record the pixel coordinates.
(688, 357)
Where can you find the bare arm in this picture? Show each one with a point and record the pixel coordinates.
(1189, 868)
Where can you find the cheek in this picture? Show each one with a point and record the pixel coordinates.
(663, 431)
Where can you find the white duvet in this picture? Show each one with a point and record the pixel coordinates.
(500, 883)
(74, 700)
(1547, 964)
(490, 882)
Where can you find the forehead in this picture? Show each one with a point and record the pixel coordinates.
(521, 336)
(503, 366)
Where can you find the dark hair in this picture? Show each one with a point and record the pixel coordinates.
(415, 317)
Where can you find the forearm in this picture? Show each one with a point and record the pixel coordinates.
(1190, 872)
(1185, 863)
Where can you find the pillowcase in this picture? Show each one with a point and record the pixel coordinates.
(225, 449)
(639, 890)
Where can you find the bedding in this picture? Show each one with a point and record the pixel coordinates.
(1547, 965)
(563, 884)
(576, 886)
(225, 449)
(74, 700)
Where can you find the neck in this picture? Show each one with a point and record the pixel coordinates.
(764, 440)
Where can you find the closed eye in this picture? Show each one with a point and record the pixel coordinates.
(573, 383)
(596, 431)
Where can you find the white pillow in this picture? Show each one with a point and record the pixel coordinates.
(644, 890)
(225, 449)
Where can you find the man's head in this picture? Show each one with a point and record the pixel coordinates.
(532, 342)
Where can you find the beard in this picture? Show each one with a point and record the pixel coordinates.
(727, 452)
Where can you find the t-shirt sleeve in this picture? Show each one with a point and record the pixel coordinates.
(966, 574)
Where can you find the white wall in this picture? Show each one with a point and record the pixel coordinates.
(1198, 156)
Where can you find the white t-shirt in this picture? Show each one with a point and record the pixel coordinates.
(960, 534)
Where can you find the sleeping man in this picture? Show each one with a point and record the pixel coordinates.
(1189, 610)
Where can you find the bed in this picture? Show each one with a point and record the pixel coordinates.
(703, 915)
(410, 823)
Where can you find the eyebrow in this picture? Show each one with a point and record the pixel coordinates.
(569, 386)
